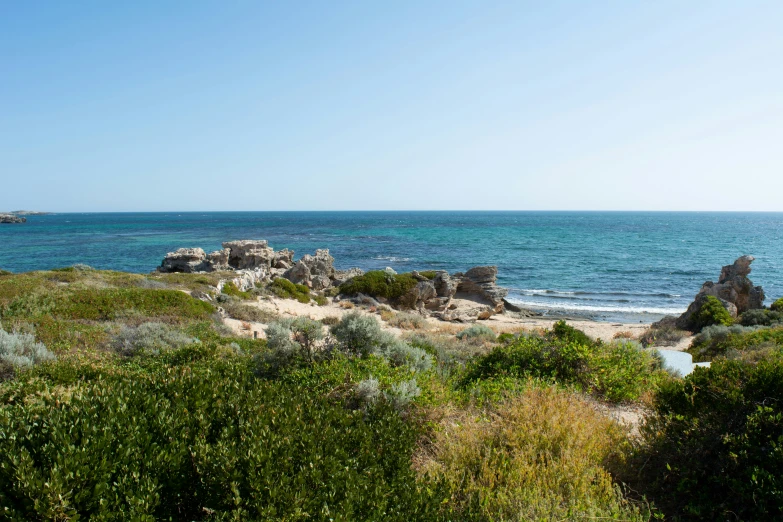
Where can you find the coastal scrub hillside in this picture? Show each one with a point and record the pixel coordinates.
(126, 396)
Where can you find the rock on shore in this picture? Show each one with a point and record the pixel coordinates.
(462, 297)
(734, 290)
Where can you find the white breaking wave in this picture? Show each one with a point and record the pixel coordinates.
(393, 259)
(598, 308)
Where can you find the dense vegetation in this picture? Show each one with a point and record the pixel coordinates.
(711, 312)
(124, 398)
(713, 450)
(618, 371)
(377, 283)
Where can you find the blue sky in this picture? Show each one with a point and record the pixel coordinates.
(135, 106)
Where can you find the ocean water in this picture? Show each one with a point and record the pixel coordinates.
(610, 266)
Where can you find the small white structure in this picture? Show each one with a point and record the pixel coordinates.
(679, 363)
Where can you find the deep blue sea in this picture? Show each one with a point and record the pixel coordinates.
(611, 266)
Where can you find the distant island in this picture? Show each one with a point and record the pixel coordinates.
(17, 216)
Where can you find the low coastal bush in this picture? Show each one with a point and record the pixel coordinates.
(761, 317)
(358, 334)
(399, 396)
(231, 289)
(151, 338)
(285, 289)
(291, 342)
(477, 333)
(245, 312)
(20, 350)
(713, 450)
(711, 313)
(733, 341)
(207, 441)
(429, 274)
(618, 371)
(777, 306)
(405, 321)
(378, 283)
(5, 273)
(662, 336)
(108, 304)
(538, 456)
(562, 331)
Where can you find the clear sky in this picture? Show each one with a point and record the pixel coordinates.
(229, 105)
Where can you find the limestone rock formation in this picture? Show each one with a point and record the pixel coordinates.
(248, 254)
(734, 290)
(314, 271)
(185, 260)
(480, 284)
(12, 218)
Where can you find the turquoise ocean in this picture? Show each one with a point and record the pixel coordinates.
(609, 266)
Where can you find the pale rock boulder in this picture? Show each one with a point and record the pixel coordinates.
(186, 260)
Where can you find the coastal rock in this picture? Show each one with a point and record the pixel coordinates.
(445, 286)
(343, 276)
(249, 254)
(480, 284)
(314, 271)
(218, 260)
(245, 279)
(734, 290)
(12, 218)
(418, 296)
(186, 260)
(283, 259)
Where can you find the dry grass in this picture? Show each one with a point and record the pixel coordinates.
(625, 334)
(347, 305)
(404, 321)
(539, 456)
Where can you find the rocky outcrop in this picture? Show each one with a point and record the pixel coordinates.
(466, 297)
(249, 254)
(185, 260)
(316, 272)
(480, 284)
(12, 218)
(734, 290)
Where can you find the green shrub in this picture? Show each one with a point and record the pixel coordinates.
(400, 353)
(358, 334)
(20, 350)
(713, 449)
(330, 320)
(777, 306)
(149, 338)
(399, 395)
(231, 289)
(285, 289)
(212, 441)
(711, 313)
(564, 332)
(5, 273)
(761, 317)
(320, 300)
(429, 274)
(477, 332)
(619, 371)
(378, 283)
(107, 304)
(361, 335)
(720, 341)
(291, 342)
